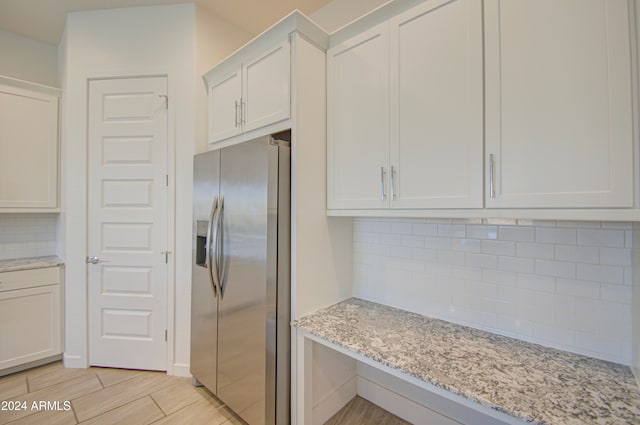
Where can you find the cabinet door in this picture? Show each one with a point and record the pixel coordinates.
(558, 104)
(28, 149)
(437, 105)
(265, 89)
(31, 326)
(358, 121)
(224, 107)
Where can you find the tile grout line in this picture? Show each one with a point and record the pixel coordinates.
(114, 408)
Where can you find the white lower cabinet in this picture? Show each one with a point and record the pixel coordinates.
(30, 316)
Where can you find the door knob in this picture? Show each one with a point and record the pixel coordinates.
(94, 260)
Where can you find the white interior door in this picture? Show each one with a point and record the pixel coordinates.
(128, 223)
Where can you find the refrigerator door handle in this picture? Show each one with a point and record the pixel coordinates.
(219, 241)
(222, 279)
(214, 258)
(209, 241)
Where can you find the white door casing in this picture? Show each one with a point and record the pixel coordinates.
(127, 222)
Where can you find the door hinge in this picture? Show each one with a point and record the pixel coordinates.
(166, 100)
(166, 256)
(165, 335)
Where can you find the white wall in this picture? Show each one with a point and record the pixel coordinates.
(122, 42)
(338, 13)
(561, 284)
(27, 59)
(160, 40)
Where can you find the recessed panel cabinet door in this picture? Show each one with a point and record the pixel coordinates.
(358, 121)
(28, 149)
(437, 106)
(558, 104)
(225, 97)
(266, 88)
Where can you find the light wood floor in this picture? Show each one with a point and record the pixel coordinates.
(360, 412)
(101, 396)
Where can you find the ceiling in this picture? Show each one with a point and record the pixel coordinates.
(43, 20)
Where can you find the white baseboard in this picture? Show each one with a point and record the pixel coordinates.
(74, 362)
(334, 401)
(181, 369)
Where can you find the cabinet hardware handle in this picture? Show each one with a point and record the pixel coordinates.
(236, 110)
(382, 191)
(393, 184)
(243, 112)
(492, 177)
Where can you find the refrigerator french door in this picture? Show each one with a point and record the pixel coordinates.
(240, 286)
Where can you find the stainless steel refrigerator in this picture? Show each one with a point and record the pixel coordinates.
(240, 293)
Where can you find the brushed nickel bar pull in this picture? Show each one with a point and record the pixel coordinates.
(393, 184)
(492, 177)
(236, 109)
(383, 195)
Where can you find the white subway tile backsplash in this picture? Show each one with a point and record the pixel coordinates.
(516, 264)
(615, 293)
(412, 241)
(558, 235)
(534, 250)
(601, 237)
(428, 229)
(555, 268)
(482, 260)
(565, 284)
(578, 254)
(516, 233)
(536, 282)
(599, 273)
(468, 245)
(578, 288)
(482, 232)
(437, 243)
(27, 235)
(451, 230)
(615, 256)
(498, 247)
(499, 277)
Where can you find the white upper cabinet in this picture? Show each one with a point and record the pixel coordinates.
(28, 147)
(254, 94)
(265, 88)
(437, 106)
(224, 106)
(405, 111)
(358, 121)
(558, 104)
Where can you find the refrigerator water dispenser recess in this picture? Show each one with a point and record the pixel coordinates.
(201, 243)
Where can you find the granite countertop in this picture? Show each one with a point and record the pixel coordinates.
(29, 263)
(528, 381)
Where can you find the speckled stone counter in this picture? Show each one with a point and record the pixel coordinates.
(537, 384)
(29, 263)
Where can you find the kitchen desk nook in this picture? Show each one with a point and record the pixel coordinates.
(464, 375)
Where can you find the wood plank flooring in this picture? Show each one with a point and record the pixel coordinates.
(102, 396)
(360, 412)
